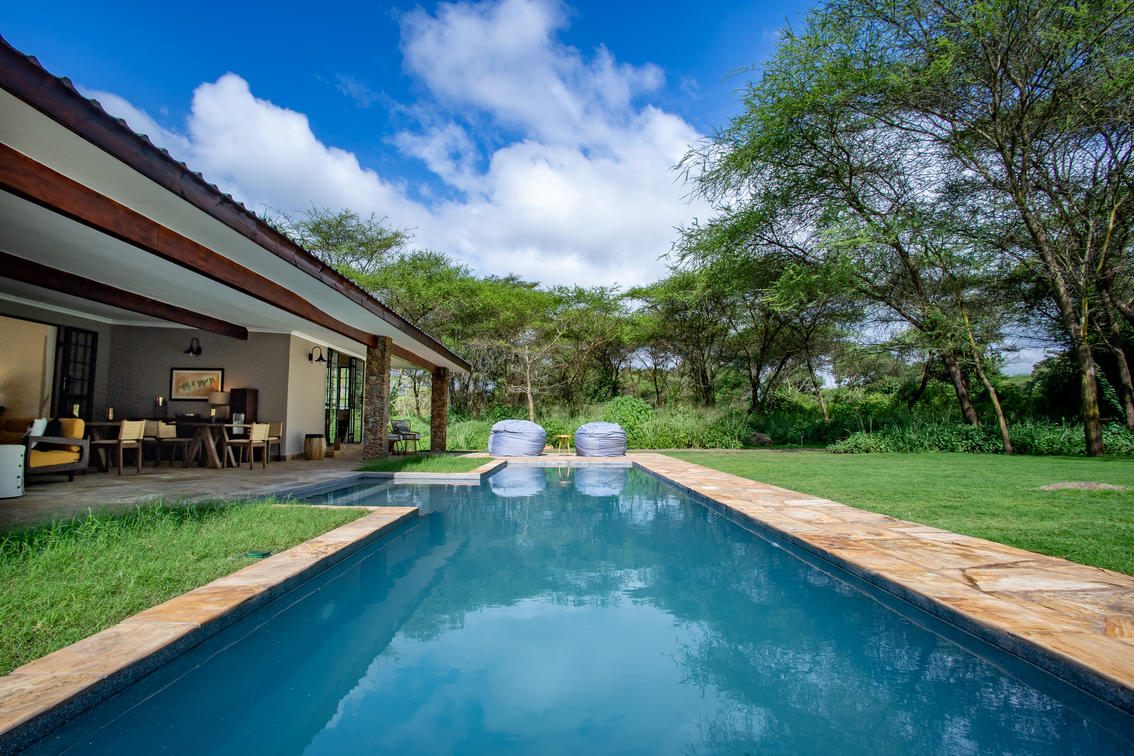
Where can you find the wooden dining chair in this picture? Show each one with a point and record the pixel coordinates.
(168, 436)
(257, 437)
(150, 438)
(275, 433)
(130, 434)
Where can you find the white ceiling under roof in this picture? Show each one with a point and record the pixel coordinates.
(37, 234)
(50, 239)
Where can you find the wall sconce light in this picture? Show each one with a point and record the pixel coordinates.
(194, 349)
(312, 358)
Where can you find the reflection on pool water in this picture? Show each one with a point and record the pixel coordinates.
(588, 611)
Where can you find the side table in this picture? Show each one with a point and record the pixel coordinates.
(12, 470)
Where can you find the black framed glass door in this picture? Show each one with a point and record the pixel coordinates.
(343, 401)
(75, 353)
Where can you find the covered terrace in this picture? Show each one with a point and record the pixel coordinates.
(132, 266)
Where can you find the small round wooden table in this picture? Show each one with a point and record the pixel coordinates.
(563, 442)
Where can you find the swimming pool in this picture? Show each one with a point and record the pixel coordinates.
(599, 610)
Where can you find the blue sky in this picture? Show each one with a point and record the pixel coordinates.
(517, 136)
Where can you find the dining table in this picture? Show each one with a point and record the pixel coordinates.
(214, 438)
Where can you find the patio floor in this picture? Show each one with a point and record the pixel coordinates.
(54, 498)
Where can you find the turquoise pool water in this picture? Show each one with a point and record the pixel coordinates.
(579, 611)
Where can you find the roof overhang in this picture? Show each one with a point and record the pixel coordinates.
(100, 202)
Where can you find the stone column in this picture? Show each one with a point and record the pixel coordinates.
(439, 409)
(376, 400)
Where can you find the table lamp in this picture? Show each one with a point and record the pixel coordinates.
(218, 404)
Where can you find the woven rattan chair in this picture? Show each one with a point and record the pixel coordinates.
(130, 434)
(258, 437)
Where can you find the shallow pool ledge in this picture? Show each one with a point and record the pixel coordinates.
(45, 693)
(1072, 620)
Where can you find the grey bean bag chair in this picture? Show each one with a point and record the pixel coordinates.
(516, 438)
(600, 440)
(518, 481)
(600, 481)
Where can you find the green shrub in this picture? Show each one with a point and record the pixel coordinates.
(628, 411)
(1035, 437)
(691, 429)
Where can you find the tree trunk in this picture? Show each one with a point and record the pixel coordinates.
(1005, 439)
(924, 383)
(962, 389)
(818, 392)
(528, 384)
(1089, 391)
(414, 381)
(1076, 326)
(1115, 340)
(754, 402)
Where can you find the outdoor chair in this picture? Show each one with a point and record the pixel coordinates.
(65, 450)
(275, 433)
(168, 436)
(401, 428)
(150, 438)
(258, 437)
(130, 435)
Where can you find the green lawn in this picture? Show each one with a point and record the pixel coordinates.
(61, 583)
(424, 463)
(984, 495)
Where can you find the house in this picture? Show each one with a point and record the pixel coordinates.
(128, 281)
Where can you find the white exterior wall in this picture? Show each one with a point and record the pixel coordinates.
(306, 389)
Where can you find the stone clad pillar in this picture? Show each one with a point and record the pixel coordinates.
(439, 409)
(376, 400)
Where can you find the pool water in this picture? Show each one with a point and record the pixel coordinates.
(589, 611)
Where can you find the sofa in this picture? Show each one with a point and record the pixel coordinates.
(68, 452)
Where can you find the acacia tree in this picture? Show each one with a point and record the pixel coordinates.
(803, 174)
(1030, 104)
(693, 319)
(353, 245)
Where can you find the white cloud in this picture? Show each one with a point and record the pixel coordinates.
(584, 194)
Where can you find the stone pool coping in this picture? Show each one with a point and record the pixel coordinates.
(43, 694)
(1072, 620)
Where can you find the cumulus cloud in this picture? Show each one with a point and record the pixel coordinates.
(580, 190)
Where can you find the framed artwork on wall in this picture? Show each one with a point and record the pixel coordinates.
(194, 384)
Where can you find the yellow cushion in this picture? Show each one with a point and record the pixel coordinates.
(73, 427)
(37, 458)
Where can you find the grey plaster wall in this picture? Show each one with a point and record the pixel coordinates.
(141, 358)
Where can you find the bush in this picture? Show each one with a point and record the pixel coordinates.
(691, 429)
(628, 411)
(1036, 437)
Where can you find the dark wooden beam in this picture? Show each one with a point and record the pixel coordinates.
(58, 100)
(411, 358)
(20, 269)
(37, 183)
